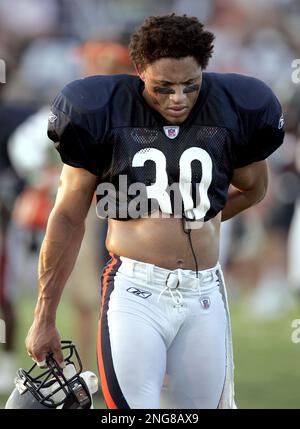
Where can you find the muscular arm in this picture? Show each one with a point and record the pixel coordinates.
(59, 250)
(250, 183)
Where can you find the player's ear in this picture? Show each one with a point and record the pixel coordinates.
(140, 71)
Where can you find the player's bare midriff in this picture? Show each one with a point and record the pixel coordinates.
(163, 242)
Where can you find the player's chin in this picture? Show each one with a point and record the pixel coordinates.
(176, 119)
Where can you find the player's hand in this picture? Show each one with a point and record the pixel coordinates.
(44, 338)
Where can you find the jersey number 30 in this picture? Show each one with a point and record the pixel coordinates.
(158, 190)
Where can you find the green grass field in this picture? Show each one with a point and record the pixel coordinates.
(267, 369)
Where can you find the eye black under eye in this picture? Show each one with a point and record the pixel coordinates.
(191, 88)
(163, 90)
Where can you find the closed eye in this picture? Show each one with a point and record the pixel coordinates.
(163, 90)
(191, 88)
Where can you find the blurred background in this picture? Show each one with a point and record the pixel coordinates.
(47, 43)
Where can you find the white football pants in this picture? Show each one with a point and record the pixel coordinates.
(155, 322)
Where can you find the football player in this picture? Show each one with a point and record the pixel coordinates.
(161, 148)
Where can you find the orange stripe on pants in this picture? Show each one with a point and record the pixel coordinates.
(108, 399)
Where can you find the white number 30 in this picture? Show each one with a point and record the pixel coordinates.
(158, 190)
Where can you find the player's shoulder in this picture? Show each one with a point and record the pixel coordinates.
(247, 92)
(95, 92)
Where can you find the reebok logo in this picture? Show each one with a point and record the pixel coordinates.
(52, 118)
(141, 293)
(281, 122)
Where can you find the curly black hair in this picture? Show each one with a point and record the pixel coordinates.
(171, 36)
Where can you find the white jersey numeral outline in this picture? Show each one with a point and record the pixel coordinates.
(158, 189)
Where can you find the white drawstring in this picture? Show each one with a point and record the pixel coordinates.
(177, 301)
(161, 293)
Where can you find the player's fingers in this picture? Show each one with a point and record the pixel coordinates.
(39, 359)
(58, 356)
(42, 363)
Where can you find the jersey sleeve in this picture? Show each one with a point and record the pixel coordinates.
(263, 132)
(76, 133)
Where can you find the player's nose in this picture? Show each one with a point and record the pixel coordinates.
(178, 97)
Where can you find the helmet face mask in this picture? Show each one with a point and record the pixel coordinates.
(53, 387)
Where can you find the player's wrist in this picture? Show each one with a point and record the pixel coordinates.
(45, 311)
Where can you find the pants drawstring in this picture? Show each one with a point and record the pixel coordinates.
(169, 287)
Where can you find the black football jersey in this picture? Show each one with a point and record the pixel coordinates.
(104, 125)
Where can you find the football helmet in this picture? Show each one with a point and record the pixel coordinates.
(54, 387)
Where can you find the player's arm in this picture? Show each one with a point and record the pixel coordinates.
(250, 183)
(58, 254)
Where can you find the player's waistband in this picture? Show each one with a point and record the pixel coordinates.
(172, 278)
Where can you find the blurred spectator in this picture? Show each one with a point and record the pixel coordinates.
(45, 64)
(11, 116)
(28, 18)
(294, 234)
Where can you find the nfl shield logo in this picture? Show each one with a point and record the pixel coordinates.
(205, 302)
(171, 131)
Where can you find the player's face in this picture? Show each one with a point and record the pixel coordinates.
(172, 87)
